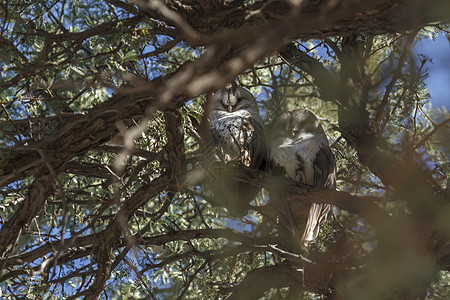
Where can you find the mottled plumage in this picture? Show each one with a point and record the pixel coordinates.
(299, 149)
(238, 138)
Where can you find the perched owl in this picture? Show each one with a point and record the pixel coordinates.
(299, 149)
(238, 138)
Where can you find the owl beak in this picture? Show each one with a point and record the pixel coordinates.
(230, 108)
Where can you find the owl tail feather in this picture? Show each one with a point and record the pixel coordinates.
(317, 216)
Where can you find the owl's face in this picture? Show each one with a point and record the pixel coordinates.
(296, 123)
(231, 99)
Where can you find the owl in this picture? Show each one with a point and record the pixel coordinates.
(238, 138)
(299, 150)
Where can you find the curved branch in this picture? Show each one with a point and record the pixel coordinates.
(311, 19)
(39, 191)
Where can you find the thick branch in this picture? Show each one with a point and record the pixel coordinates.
(39, 191)
(175, 141)
(377, 17)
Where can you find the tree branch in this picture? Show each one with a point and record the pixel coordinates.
(38, 193)
(260, 280)
(311, 66)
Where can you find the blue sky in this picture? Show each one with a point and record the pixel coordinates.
(439, 70)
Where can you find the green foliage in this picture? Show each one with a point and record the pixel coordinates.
(50, 78)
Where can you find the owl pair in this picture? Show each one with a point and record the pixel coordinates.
(295, 146)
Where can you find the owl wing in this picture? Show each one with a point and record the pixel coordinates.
(325, 168)
(258, 147)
